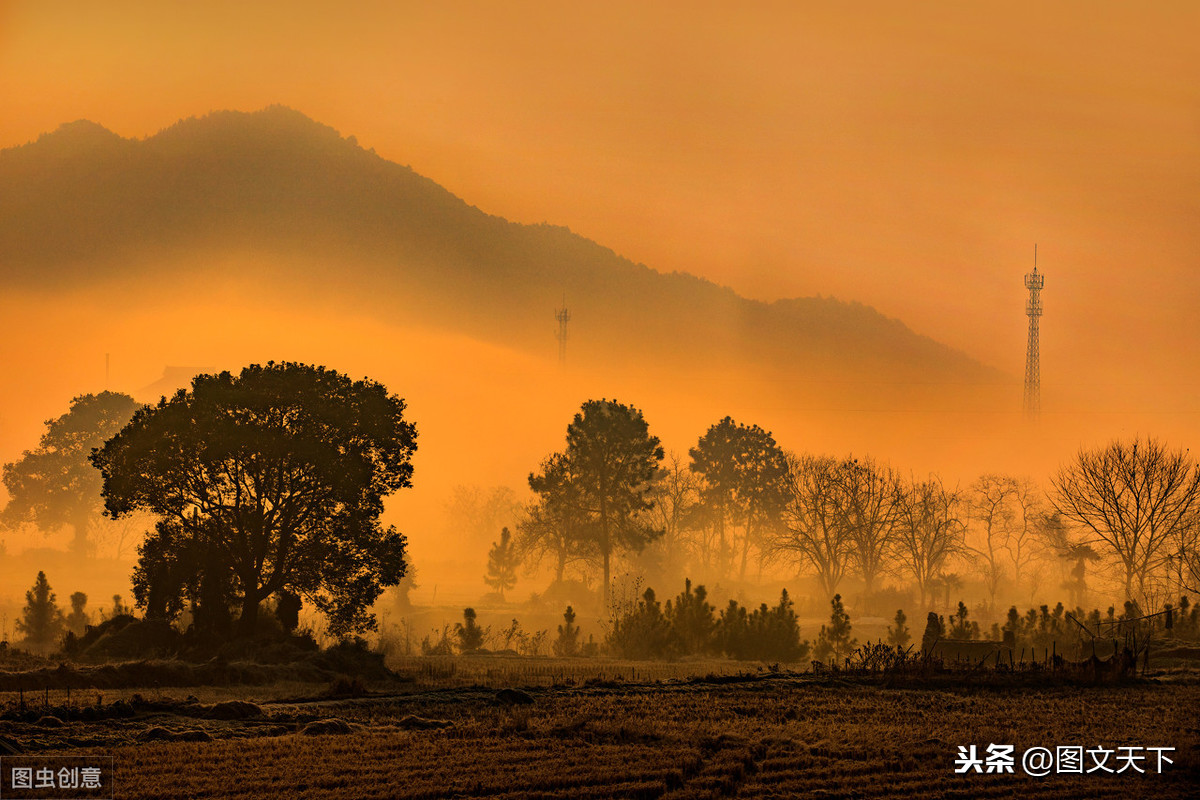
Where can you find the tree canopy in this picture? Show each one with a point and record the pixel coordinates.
(1139, 499)
(743, 473)
(269, 482)
(929, 532)
(55, 485)
(607, 477)
(41, 620)
(555, 525)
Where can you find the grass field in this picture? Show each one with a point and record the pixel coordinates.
(594, 735)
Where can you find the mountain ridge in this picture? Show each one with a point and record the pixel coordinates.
(89, 203)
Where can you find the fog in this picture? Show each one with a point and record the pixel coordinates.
(487, 415)
(905, 160)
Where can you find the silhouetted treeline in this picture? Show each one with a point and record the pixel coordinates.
(742, 505)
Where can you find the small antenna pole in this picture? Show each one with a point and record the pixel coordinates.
(563, 316)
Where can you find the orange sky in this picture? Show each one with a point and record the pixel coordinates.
(906, 160)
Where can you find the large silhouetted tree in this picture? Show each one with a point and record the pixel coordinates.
(555, 526)
(992, 513)
(763, 468)
(929, 531)
(714, 460)
(612, 470)
(269, 482)
(54, 485)
(1138, 499)
(813, 533)
(743, 472)
(867, 500)
(676, 511)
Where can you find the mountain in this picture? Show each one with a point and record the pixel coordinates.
(82, 205)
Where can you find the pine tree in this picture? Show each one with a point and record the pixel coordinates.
(644, 633)
(960, 627)
(567, 643)
(834, 640)
(692, 621)
(778, 632)
(899, 635)
(733, 632)
(766, 634)
(502, 564)
(42, 621)
(935, 629)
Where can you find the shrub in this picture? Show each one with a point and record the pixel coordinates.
(899, 635)
(644, 633)
(440, 646)
(767, 634)
(470, 635)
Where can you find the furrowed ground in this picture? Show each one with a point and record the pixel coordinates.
(755, 735)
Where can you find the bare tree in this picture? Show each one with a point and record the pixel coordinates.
(1137, 498)
(1185, 561)
(992, 516)
(676, 499)
(1033, 525)
(867, 506)
(1072, 553)
(473, 514)
(812, 531)
(929, 532)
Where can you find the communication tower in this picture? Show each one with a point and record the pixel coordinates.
(1033, 369)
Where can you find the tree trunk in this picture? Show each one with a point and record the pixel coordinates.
(745, 551)
(607, 588)
(722, 563)
(248, 622)
(79, 543)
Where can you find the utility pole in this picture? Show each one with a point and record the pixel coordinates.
(563, 316)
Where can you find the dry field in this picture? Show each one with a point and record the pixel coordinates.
(761, 735)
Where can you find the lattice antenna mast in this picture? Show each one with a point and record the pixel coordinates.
(1033, 369)
(563, 316)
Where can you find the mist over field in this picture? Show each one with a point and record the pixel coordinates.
(242, 238)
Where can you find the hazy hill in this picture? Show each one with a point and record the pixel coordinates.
(83, 204)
